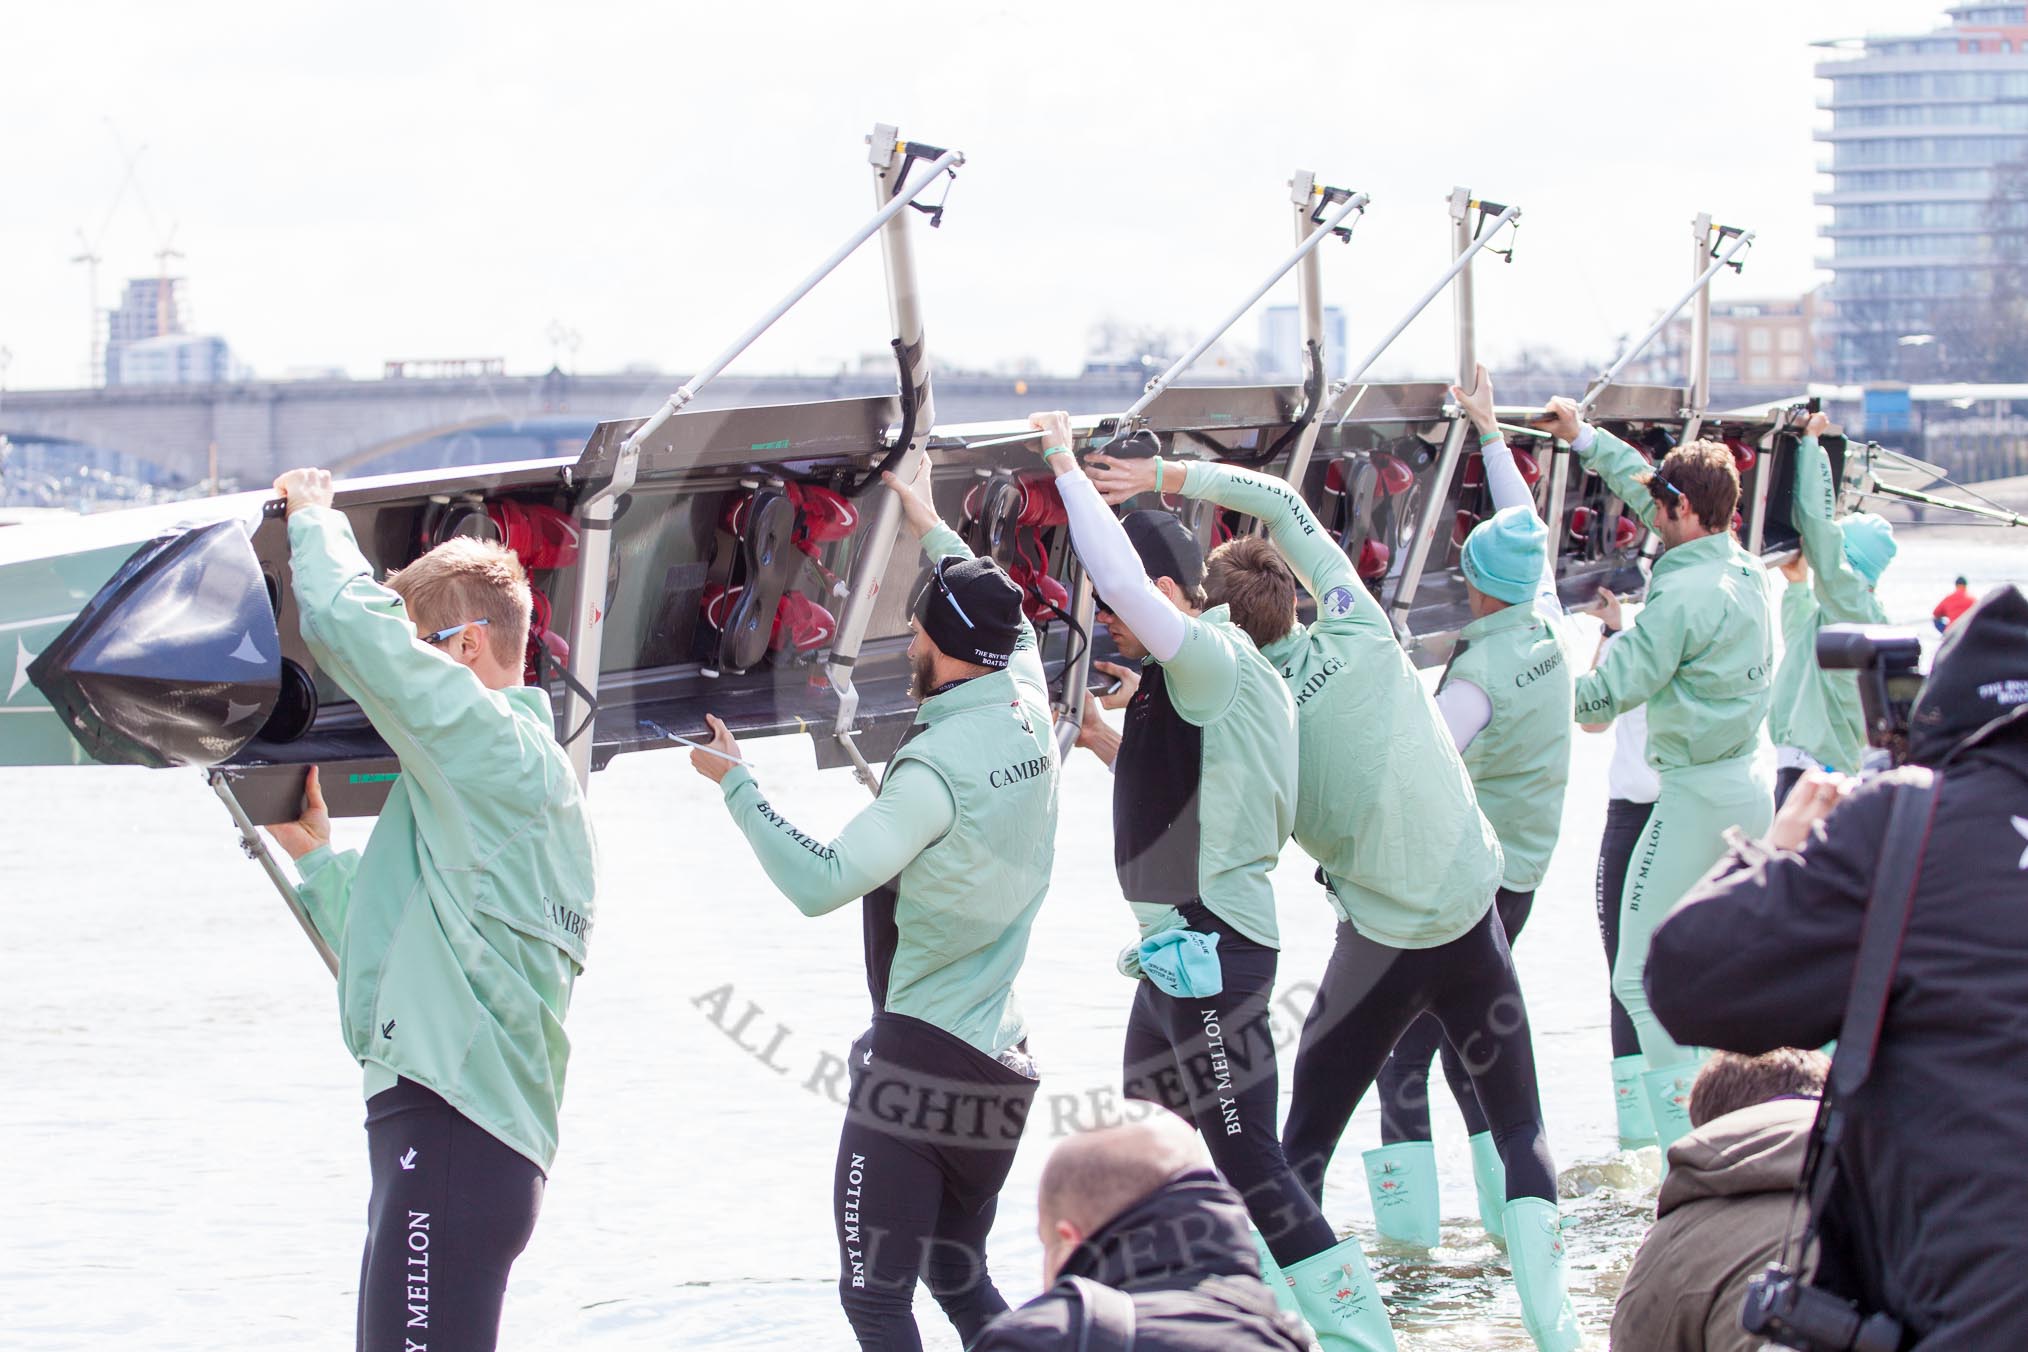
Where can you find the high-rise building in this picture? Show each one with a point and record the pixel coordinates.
(1929, 147)
(152, 307)
(148, 340)
(1281, 343)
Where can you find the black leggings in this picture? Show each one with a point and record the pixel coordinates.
(1212, 1062)
(1370, 995)
(452, 1208)
(1404, 1080)
(930, 1132)
(1625, 820)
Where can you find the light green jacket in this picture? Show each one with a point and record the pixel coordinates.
(1520, 761)
(965, 826)
(462, 926)
(1816, 710)
(1702, 657)
(1383, 800)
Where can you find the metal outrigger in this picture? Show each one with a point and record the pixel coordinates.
(257, 850)
(890, 157)
(897, 194)
(1321, 212)
(1467, 239)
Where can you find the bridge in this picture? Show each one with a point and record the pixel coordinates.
(256, 429)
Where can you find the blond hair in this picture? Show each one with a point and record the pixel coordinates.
(462, 580)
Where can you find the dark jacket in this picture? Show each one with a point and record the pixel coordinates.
(1930, 1220)
(1718, 1224)
(1183, 1253)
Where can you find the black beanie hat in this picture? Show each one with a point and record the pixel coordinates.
(1166, 548)
(1978, 682)
(970, 609)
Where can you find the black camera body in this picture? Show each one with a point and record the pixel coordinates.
(1888, 662)
(1780, 1306)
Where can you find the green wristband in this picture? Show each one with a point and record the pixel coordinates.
(1158, 474)
(1488, 438)
(1048, 451)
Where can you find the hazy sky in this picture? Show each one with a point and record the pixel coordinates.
(358, 182)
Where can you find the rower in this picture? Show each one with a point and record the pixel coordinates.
(1702, 660)
(460, 929)
(1409, 862)
(953, 860)
(1816, 722)
(1505, 697)
(1204, 797)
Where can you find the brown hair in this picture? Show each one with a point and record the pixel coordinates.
(1250, 575)
(1730, 1081)
(464, 579)
(1703, 472)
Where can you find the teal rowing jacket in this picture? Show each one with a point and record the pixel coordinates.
(1816, 710)
(1383, 801)
(462, 926)
(964, 827)
(1520, 761)
(1702, 657)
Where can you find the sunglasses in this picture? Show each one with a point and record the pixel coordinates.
(445, 635)
(1661, 489)
(945, 588)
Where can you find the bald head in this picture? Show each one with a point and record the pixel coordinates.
(1096, 1175)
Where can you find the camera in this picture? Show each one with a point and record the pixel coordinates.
(1783, 1308)
(1887, 661)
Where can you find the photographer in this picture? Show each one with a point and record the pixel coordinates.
(1924, 1219)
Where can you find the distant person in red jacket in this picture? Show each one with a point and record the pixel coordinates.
(1956, 602)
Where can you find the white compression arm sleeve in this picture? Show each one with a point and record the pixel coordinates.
(1115, 569)
(1503, 478)
(1509, 489)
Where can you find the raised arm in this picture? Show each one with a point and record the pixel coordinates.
(1315, 558)
(1108, 556)
(428, 707)
(939, 541)
(913, 810)
(1504, 481)
(1621, 466)
(1840, 589)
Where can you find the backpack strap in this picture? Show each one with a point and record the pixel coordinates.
(1107, 1321)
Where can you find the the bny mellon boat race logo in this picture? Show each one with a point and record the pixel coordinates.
(1349, 1294)
(1391, 1184)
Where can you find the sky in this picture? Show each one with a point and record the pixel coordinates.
(355, 183)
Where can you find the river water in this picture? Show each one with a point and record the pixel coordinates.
(189, 1169)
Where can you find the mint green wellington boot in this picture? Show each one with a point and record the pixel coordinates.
(1667, 1093)
(1271, 1273)
(1637, 1125)
(1489, 1179)
(1402, 1179)
(1535, 1251)
(1336, 1296)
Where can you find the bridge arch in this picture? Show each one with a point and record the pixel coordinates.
(561, 430)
